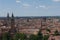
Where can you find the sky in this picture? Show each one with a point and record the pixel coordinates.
(30, 7)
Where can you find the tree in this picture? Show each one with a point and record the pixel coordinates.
(48, 30)
(5, 36)
(45, 37)
(20, 36)
(16, 37)
(33, 37)
(56, 33)
(40, 35)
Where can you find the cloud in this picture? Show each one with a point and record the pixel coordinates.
(42, 6)
(18, 1)
(26, 5)
(56, 0)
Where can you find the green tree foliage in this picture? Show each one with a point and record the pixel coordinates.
(20, 36)
(5, 36)
(40, 35)
(33, 37)
(16, 37)
(56, 33)
(48, 30)
(45, 37)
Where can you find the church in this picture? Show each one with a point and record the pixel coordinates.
(8, 26)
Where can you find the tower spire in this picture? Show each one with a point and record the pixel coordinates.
(12, 15)
(7, 16)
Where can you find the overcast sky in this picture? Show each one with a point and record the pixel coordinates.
(30, 7)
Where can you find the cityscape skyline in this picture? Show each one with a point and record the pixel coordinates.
(30, 7)
(14, 28)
